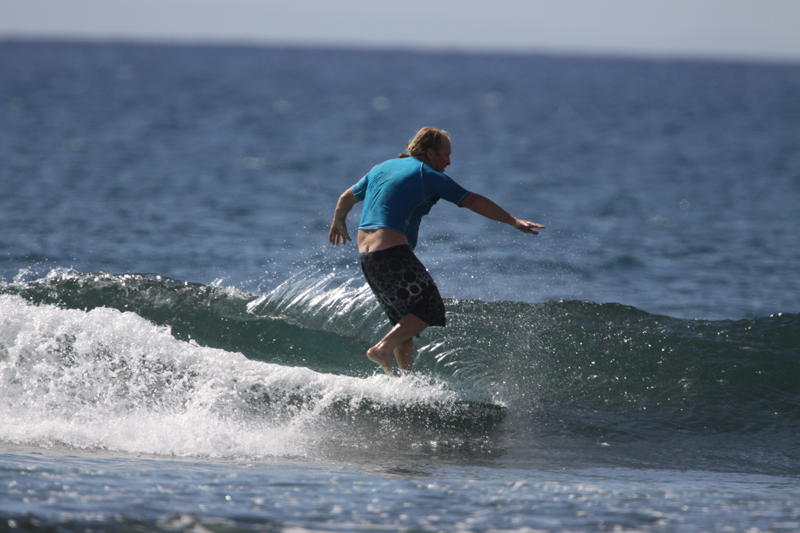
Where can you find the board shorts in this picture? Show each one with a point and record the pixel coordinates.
(402, 285)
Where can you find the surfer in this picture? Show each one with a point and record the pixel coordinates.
(396, 195)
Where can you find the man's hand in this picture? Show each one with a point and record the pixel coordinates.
(338, 233)
(526, 226)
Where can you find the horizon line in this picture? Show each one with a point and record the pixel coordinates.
(333, 44)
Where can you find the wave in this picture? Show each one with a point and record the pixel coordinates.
(83, 353)
(75, 371)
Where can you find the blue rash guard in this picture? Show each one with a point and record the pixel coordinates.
(399, 192)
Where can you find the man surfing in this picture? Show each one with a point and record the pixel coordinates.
(396, 195)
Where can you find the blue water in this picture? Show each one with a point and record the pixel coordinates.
(181, 350)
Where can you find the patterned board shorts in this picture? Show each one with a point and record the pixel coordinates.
(402, 285)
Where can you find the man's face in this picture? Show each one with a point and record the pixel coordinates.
(438, 161)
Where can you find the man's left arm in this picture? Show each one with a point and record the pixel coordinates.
(338, 230)
(489, 209)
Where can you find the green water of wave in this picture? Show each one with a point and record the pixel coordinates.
(575, 366)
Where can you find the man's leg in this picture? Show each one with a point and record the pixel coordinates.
(404, 354)
(397, 337)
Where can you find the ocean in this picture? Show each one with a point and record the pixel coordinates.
(182, 350)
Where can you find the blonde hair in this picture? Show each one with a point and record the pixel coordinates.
(427, 137)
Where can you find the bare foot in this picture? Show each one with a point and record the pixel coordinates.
(383, 359)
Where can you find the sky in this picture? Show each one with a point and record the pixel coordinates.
(731, 29)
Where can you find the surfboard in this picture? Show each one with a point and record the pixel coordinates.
(489, 406)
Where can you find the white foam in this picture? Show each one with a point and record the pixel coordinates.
(112, 380)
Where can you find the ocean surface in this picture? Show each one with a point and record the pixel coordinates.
(182, 350)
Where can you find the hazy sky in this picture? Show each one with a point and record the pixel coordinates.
(755, 29)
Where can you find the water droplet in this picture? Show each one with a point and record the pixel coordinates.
(493, 99)
(282, 107)
(380, 103)
(253, 163)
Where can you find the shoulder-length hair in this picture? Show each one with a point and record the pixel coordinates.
(427, 137)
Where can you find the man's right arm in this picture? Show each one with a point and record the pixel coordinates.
(338, 230)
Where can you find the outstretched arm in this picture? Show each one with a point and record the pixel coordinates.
(489, 209)
(338, 227)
